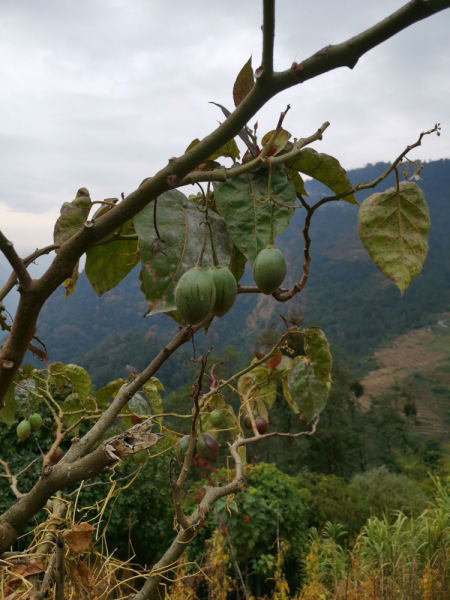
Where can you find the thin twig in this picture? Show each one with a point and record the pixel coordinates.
(268, 39)
(15, 261)
(59, 569)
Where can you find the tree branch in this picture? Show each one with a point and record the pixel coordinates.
(15, 261)
(349, 52)
(268, 39)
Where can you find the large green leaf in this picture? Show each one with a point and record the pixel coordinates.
(307, 393)
(110, 389)
(163, 263)
(325, 169)
(394, 230)
(80, 380)
(244, 82)
(73, 216)
(247, 220)
(108, 264)
(8, 412)
(318, 352)
(72, 404)
(237, 263)
(151, 390)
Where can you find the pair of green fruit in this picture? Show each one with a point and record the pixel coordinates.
(206, 446)
(34, 422)
(201, 293)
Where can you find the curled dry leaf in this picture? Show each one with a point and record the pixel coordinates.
(79, 537)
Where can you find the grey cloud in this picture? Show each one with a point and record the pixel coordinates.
(101, 94)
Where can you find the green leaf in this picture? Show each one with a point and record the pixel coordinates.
(108, 264)
(287, 395)
(296, 179)
(228, 150)
(69, 284)
(307, 393)
(58, 372)
(237, 263)
(280, 141)
(154, 397)
(73, 216)
(163, 264)
(244, 82)
(231, 420)
(8, 412)
(247, 220)
(394, 230)
(105, 393)
(156, 382)
(325, 169)
(72, 404)
(80, 380)
(318, 352)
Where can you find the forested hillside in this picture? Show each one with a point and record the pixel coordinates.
(358, 308)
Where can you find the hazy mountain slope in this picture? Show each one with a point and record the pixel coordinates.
(356, 305)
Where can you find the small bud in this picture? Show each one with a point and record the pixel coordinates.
(173, 180)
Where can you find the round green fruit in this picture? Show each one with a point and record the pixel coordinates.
(269, 270)
(216, 418)
(195, 295)
(23, 430)
(56, 456)
(226, 289)
(35, 421)
(208, 448)
(141, 457)
(247, 422)
(182, 448)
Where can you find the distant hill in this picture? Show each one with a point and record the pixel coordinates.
(357, 307)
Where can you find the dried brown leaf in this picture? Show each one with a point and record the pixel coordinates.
(79, 537)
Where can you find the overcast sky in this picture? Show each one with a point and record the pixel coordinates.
(99, 94)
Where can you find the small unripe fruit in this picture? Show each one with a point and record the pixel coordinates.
(215, 418)
(195, 295)
(247, 422)
(23, 430)
(182, 448)
(35, 421)
(269, 270)
(56, 456)
(226, 289)
(261, 425)
(141, 457)
(208, 448)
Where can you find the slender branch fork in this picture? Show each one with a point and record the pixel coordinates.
(76, 465)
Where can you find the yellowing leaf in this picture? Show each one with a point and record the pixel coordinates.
(244, 82)
(394, 230)
(280, 141)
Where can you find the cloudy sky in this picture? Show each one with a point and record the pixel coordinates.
(101, 93)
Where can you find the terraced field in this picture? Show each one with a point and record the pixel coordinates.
(420, 358)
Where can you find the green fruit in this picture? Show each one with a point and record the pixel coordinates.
(35, 421)
(141, 457)
(215, 418)
(208, 448)
(23, 430)
(195, 295)
(226, 289)
(247, 422)
(269, 270)
(182, 448)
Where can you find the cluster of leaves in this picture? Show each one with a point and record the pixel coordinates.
(68, 391)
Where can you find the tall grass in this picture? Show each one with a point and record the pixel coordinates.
(394, 558)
